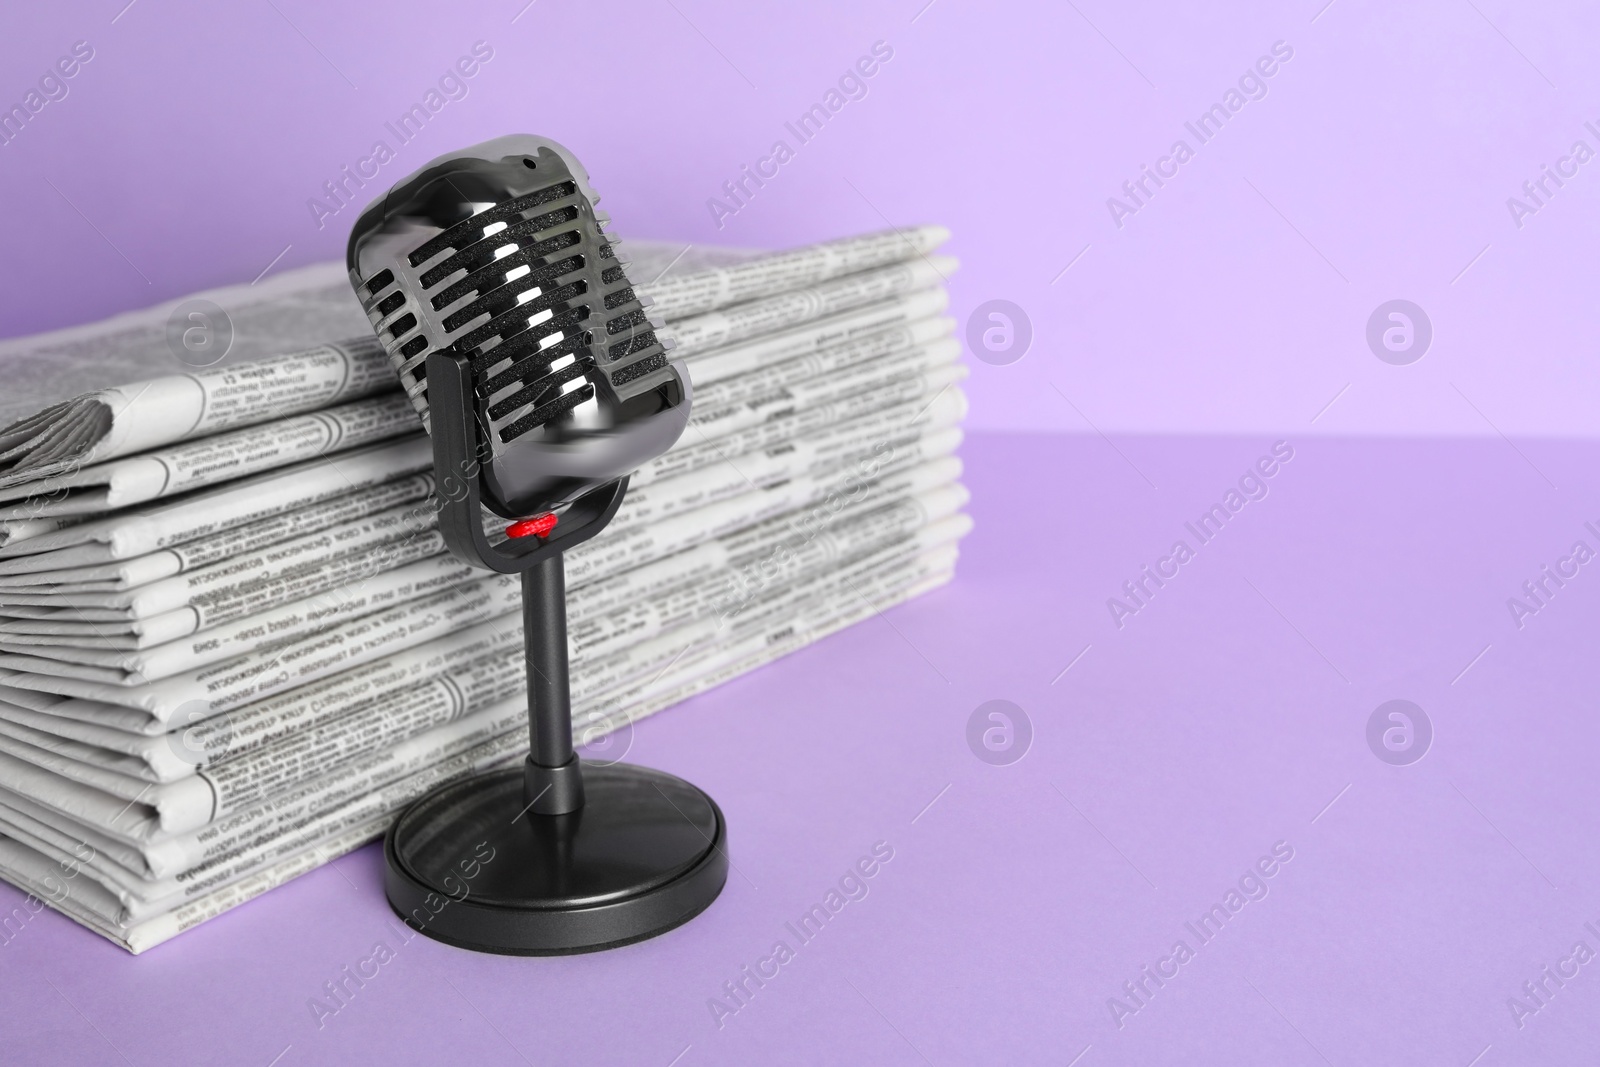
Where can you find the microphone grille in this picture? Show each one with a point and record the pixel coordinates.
(503, 258)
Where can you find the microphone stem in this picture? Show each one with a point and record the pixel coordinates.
(544, 631)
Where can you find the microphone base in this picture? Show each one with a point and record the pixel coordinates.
(472, 865)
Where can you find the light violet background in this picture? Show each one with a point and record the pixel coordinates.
(1377, 167)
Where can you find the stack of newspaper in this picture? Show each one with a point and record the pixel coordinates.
(233, 646)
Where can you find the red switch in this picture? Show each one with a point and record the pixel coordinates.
(539, 525)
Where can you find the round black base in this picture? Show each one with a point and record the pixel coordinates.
(470, 865)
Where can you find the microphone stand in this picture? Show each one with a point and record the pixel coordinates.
(550, 858)
(550, 789)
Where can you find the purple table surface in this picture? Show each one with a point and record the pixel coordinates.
(1227, 718)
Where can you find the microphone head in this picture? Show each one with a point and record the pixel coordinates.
(495, 255)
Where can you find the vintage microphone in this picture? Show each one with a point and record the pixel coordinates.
(501, 301)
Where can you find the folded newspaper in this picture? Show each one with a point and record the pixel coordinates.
(233, 645)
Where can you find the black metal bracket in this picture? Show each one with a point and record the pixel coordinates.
(458, 467)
